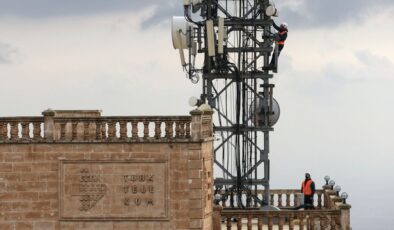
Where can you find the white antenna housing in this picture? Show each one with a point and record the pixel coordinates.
(271, 11)
(220, 35)
(193, 101)
(180, 26)
(210, 38)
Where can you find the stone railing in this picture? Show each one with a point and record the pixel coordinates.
(282, 198)
(21, 129)
(309, 219)
(147, 128)
(330, 212)
(90, 126)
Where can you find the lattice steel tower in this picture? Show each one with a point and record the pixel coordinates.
(236, 40)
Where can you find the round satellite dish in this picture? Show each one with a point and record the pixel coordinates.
(193, 101)
(257, 113)
(180, 36)
(271, 11)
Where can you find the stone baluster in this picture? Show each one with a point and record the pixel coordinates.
(25, 130)
(123, 130)
(74, 131)
(302, 224)
(3, 132)
(187, 129)
(333, 223)
(249, 223)
(281, 222)
(322, 222)
(182, 128)
(98, 130)
(37, 130)
(291, 222)
(146, 129)
(311, 222)
(134, 130)
(319, 200)
(63, 131)
(270, 222)
(111, 130)
(272, 199)
(239, 222)
(157, 129)
(288, 194)
(228, 222)
(169, 129)
(177, 129)
(296, 204)
(14, 130)
(280, 200)
(259, 223)
(104, 130)
(86, 133)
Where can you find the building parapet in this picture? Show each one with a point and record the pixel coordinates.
(330, 212)
(89, 126)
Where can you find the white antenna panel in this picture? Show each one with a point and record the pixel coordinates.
(180, 27)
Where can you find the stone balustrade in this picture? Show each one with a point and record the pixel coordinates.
(90, 126)
(330, 212)
(281, 198)
(144, 128)
(283, 219)
(288, 198)
(21, 129)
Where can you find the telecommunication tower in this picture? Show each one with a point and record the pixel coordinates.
(236, 40)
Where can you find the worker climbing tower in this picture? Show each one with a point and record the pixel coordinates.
(236, 41)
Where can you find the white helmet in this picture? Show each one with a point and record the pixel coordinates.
(284, 25)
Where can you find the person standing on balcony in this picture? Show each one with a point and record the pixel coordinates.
(308, 189)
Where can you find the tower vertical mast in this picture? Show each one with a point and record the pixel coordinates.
(236, 41)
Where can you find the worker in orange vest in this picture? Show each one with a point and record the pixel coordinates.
(281, 37)
(308, 189)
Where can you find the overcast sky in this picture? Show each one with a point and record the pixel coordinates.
(335, 82)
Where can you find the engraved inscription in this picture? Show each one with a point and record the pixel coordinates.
(139, 189)
(113, 190)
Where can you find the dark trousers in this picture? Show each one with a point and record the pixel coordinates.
(308, 202)
(273, 58)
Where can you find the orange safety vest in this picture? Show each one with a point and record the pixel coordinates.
(306, 187)
(282, 42)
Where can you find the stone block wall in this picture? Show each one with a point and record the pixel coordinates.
(30, 184)
(74, 172)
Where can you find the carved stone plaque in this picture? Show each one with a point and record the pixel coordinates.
(135, 189)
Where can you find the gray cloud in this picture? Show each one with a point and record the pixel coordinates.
(54, 8)
(47, 9)
(309, 13)
(312, 13)
(6, 53)
(162, 13)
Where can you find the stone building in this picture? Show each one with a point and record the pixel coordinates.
(80, 170)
